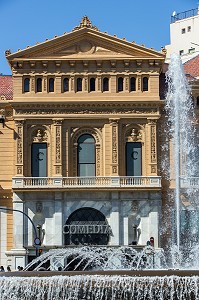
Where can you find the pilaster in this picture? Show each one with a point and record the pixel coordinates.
(58, 146)
(19, 145)
(114, 142)
(153, 146)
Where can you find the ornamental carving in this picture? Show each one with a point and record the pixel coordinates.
(33, 84)
(19, 144)
(153, 144)
(39, 136)
(114, 144)
(127, 83)
(2, 97)
(134, 134)
(114, 124)
(153, 169)
(58, 144)
(139, 83)
(85, 22)
(99, 109)
(99, 83)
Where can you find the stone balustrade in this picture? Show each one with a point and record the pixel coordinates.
(86, 182)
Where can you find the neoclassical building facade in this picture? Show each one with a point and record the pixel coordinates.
(80, 150)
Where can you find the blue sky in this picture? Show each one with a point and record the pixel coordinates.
(25, 22)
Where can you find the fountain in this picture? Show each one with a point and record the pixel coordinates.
(181, 131)
(123, 272)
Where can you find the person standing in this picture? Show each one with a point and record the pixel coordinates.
(2, 269)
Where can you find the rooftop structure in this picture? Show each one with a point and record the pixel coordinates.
(184, 38)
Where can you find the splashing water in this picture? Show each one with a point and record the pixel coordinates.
(181, 119)
(99, 258)
(99, 288)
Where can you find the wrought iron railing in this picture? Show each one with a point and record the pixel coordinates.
(184, 15)
(85, 182)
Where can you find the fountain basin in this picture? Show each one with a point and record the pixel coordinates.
(131, 273)
(104, 285)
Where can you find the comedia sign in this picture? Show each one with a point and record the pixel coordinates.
(87, 229)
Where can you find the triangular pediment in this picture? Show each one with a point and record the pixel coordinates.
(86, 42)
(80, 48)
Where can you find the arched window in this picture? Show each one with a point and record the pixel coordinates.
(26, 85)
(51, 85)
(65, 85)
(79, 84)
(120, 84)
(92, 84)
(39, 85)
(145, 84)
(90, 229)
(105, 84)
(133, 84)
(86, 155)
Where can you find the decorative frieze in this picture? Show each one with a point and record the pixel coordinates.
(65, 109)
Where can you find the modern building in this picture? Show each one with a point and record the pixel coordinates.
(79, 145)
(184, 38)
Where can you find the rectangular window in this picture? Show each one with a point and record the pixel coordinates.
(181, 52)
(189, 28)
(39, 160)
(183, 30)
(133, 159)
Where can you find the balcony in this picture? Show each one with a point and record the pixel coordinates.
(189, 183)
(112, 182)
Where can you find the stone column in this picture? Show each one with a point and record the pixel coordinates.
(154, 225)
(45, 84)
(18, 254)
(58, 147)
(58, 84)
(126, 230)
(19, 146)
(18, 221)
(115, 220)
(126, 84)
(58, 226)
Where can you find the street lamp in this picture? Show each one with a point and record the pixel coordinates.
(37, 240)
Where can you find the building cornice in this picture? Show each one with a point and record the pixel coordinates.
(102, 109)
